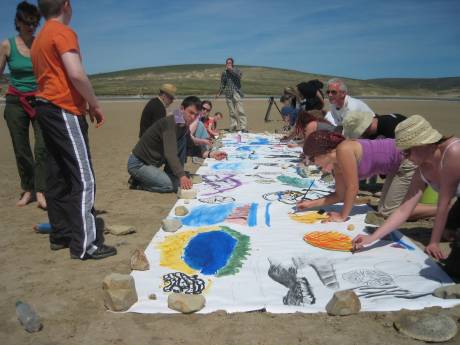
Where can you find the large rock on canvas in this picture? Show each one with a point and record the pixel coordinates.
(171, 225)
(139, 261)
(427, 327)
(181, 211)
(343, 303)
(119, 291)
(186, 193)
(186, 303)
(448, 292)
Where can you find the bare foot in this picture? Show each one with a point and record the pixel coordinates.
(26, 198)
(41, 200)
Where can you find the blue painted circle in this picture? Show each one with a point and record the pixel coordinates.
(208, 252)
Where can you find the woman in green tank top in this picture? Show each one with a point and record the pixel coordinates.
(19, 114)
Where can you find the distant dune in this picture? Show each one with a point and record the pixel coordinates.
(204, 80)
(263, 81)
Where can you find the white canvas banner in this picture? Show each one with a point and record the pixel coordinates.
(243, 246)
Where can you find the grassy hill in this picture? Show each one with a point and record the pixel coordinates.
(205, 79)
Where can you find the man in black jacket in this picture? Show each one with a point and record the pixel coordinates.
(155, 109)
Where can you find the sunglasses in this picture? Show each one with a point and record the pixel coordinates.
(333, 92)
(206, 109)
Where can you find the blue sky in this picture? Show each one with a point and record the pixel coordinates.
(358, 39)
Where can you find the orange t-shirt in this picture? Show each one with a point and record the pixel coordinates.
(54, 85)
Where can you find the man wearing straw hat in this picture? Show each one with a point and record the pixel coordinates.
(155, 109)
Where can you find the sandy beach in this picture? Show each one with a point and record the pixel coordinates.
(67, 293)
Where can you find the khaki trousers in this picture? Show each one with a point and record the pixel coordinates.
(238, 119)
(395, 188)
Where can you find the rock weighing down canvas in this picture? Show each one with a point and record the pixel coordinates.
(243, 248)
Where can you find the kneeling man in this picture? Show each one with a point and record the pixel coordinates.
(165, 143)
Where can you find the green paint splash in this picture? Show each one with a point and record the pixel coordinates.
(240, 253)
(295, 181)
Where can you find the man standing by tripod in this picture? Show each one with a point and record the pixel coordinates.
(230, 86)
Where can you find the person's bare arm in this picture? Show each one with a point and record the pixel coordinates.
(348, 165)
(310, 128)
(80, 81)
(4, 53)
(449, 180)
(399, 216)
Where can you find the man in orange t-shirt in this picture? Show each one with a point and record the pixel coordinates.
(64, 91)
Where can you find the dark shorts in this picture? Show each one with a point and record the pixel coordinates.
(453, 219)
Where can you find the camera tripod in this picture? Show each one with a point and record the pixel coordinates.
(271, 101)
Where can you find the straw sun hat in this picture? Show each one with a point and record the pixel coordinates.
(356, 123)
(170, 89)
(415, 131)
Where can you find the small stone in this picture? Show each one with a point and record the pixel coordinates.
(374, 219)
(139, 261)
(171, 225)
(196, 179)
(343, 303)
(119, 291)
(120, 230)
(186, 193)
(448, 292)
(152, 297)
(350, 227)
(180, 211)
(427, 327)
(186, 303)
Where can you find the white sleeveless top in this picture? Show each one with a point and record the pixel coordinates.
(442, 159)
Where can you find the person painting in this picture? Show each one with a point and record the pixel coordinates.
(438, 161)
(307, 123)
(210, 123)
(19, 114)
(165, 144)
(350, 161)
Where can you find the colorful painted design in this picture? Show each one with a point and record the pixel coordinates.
(228, 166)
(218, 251)
(213, 214)
(399, 243)
(308, 217)
(289, 197)
(260, 141)
(217, 199)
(216, 184)
(267, 214)
(296, 181)
(329, 240)
(246, 148)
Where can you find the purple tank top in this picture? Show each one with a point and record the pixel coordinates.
(380, 157)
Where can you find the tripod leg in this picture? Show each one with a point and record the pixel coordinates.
(267, 114)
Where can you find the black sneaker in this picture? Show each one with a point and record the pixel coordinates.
(101, 252)
(58, 246)
(244, 130)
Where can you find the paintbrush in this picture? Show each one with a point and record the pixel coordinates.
(305, 196)
(308, 189)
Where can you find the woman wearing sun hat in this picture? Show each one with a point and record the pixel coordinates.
(354, 160)
(438, 161)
